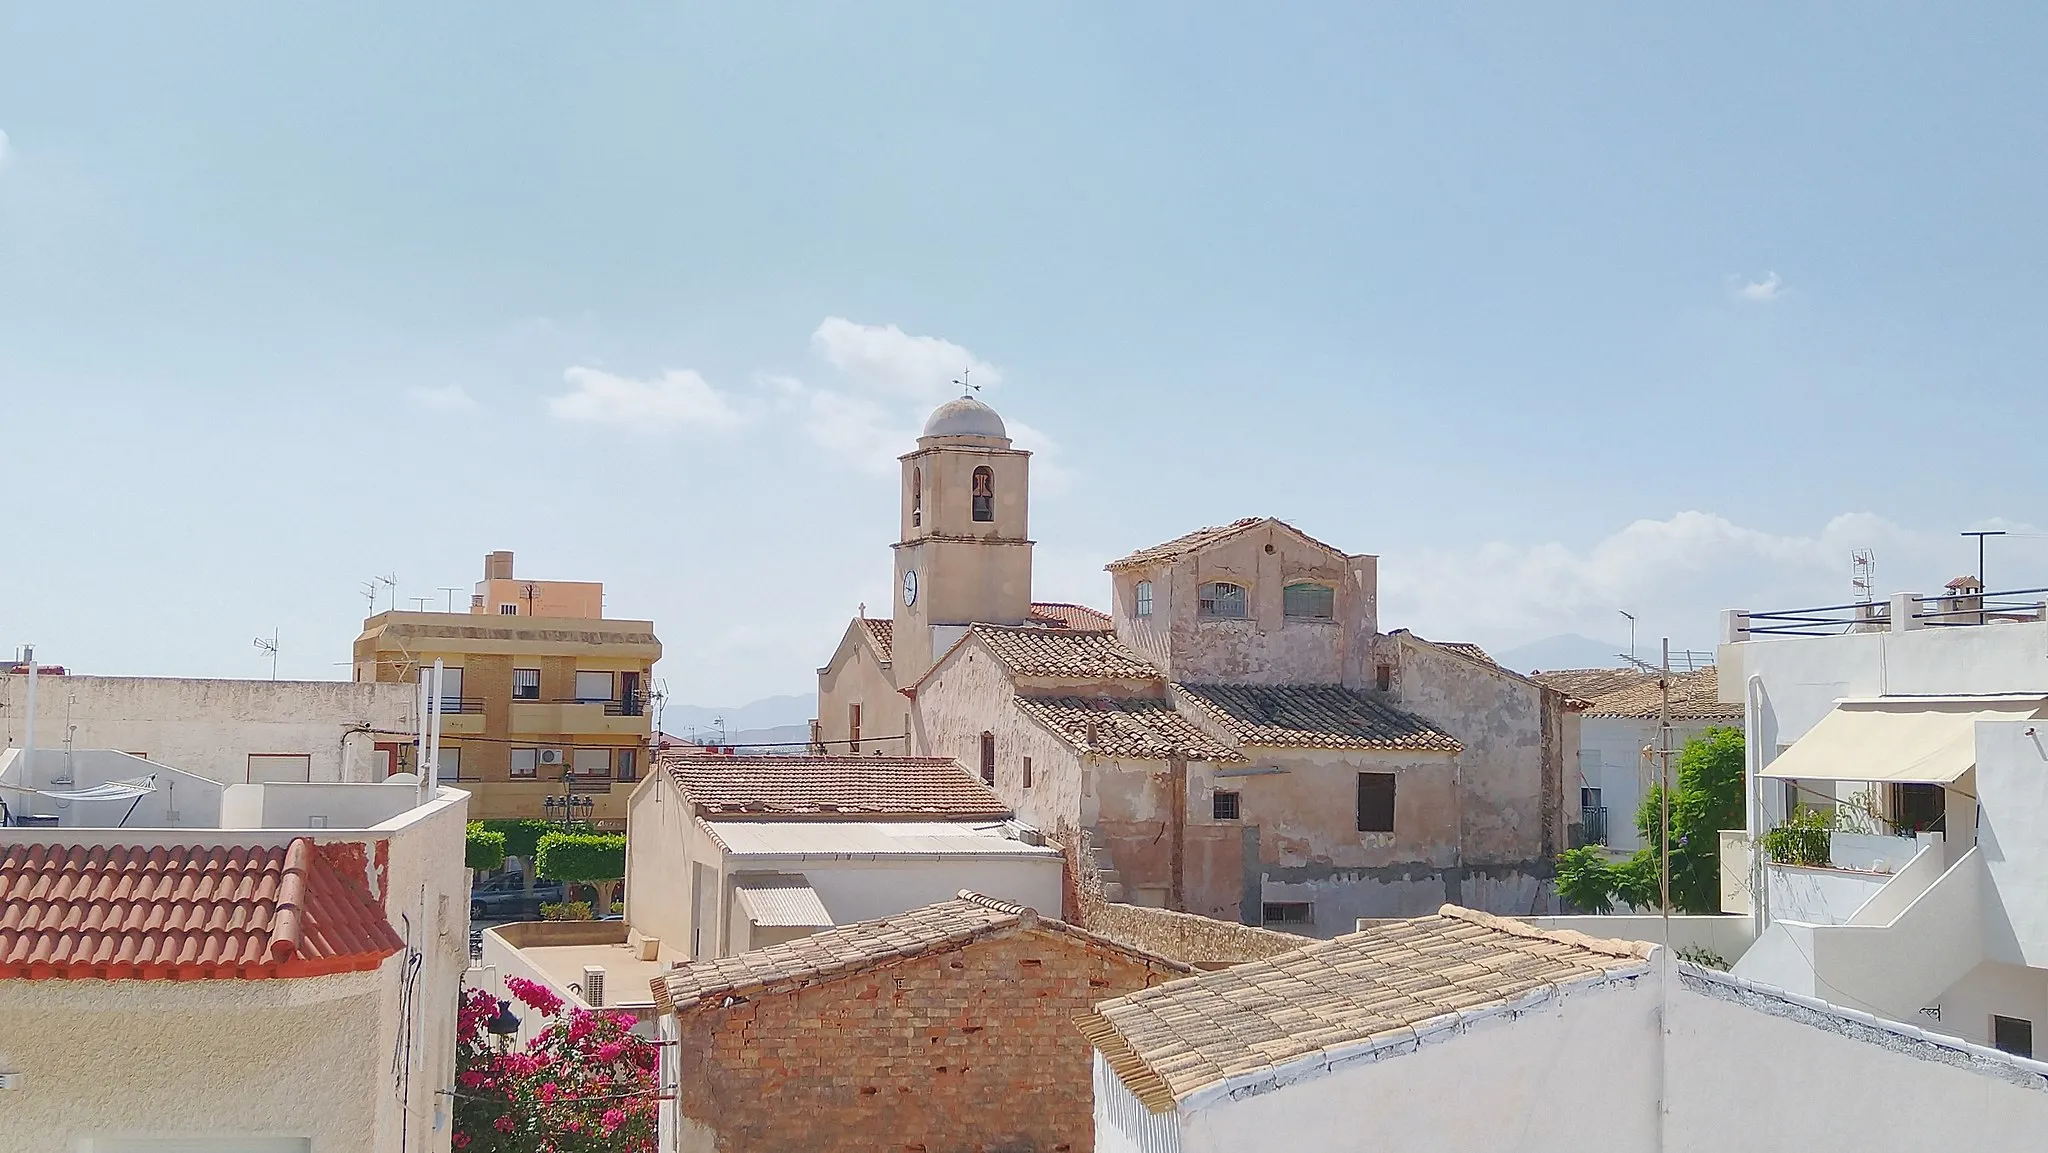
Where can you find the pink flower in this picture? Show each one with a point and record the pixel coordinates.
(609, 1051)
(534, 995)
(580, 1026)
(548, 1093)
(459, 1140)
(503, 1123)
(612, 1119)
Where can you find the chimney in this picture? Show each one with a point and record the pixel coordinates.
(498, 566)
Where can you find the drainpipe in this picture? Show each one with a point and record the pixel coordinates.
(1753, 753)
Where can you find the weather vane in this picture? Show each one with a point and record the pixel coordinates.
(967, 389)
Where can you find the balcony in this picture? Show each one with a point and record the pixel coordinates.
(1904, 612)
(579, 718)
(462, 716)
(1593, 825)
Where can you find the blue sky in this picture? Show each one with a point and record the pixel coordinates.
(1560, 311)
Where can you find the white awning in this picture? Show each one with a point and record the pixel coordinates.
(782, 902)
(1928, 740)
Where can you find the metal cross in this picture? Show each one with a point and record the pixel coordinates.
(966, 388)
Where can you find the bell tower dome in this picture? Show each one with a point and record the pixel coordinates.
(963, 554)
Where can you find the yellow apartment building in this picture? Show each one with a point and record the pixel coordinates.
(542, 696)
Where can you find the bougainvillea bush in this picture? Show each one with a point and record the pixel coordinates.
(585, 1083)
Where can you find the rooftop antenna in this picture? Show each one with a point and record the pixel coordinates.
(390, 581)
(420, 603)
(531, 591)
(451, 596)
(1980, 534)
(269, 645)
(370, 594)
(966, 389)
(1863, 575)
(1631, 634)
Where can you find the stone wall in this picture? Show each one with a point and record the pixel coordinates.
(969, 1049)
(1203, 942)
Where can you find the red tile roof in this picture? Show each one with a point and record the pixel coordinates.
(1313, 717)
(1202, 538)
(1633, 694)
(1061, 615)
(183, 913)
(881, 633)
(833, 788)
(1146, 728)
(1041, 652)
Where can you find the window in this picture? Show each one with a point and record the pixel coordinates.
(508, 610)
(1290, 913)
(1223, 806)
(1383, 678)
(1027, 772)
(1592, 817)
(988, 758)
(593, 686)
(1918, 807)
(916, 497)
(1375, 802)
(525, 684)
(451, 687)
(853, 728)
(1144, 598)
(2013, 1035)
(593, 762)
(451, 762)
(984, 493)
(280, 768)
(1221, 599)
(1309, 602)
(525, 762)
(627, 767)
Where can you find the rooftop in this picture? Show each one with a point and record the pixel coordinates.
(881, 632)
(940, 928)
(1201, 538)
(831, 788)
(1144, 728)
(1172, 1040)
(560, 950)
(1313, 717)
(1041, 652)
(1632, 693)
(869, 838)
(184, 913)
(964, 416)
(1061, 615)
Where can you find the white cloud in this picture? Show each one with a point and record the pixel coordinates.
(444, 398)
(858, 430)
(1762, 291)
(886, 360)
(1674, 575)
(678, 398)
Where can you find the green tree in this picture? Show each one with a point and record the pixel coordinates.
(596, 859)
(522, 838)
(484, 849)
(1707, 798)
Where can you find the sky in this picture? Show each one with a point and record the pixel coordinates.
(1562, 311)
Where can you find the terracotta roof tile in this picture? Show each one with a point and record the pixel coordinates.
(848, 949)
(1313, 717)
(1201, 538)
(1463, 648)
(833, 788)
(183, 912)
(1060, 615)
(1171, 1040)
(1041, 652)
(1113, 727)
(881, 634)
(1633, 694)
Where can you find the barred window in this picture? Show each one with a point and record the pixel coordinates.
(1222, 599)
(1144, 598)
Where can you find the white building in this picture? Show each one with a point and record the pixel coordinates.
(1619, 735)
(730, 853)
(280, 977)
(231, 731)
(1466, 1032)
(1919, 724)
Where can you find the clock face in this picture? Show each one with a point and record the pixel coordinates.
(909, 587)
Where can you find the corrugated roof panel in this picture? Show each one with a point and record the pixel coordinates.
(783, 902)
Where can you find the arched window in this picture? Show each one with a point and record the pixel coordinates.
(1144, 598)
(988, 758)
(984, 493)
(1309, 601)
(916, 497)
(1222, 599)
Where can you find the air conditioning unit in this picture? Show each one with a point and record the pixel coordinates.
(551, 756)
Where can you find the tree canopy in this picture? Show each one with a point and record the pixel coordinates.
(484, 849)
(1707, 798)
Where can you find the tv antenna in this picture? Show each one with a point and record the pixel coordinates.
(1631, 634)
(370, 594)
(269, 645)
(967, 389)
(420, 603)
(1862, 575)
(390, 581)
(531, 591)
(1980, 534)
(451, 596)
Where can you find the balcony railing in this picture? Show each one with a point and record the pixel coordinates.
(462, 705)
(1593, 821)
(1943, 610)
(630, 706)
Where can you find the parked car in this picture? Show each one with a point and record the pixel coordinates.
(506, 896)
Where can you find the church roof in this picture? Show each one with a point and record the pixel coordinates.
(1061, 615)
(1146, 728)
(1030, 651)
(965, 416)
(1313, 717)
(1202, 538)
(881, 632)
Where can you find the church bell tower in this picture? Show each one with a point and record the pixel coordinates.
(963, 555)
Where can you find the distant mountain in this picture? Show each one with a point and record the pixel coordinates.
(766, 713)
(1565, 651)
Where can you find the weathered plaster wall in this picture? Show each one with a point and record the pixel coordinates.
(856, 676)
(1265, 647)
(1609, 756)
(970, 693)
(210, 727)
(1204, 942)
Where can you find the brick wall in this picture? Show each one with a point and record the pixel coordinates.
(1203, 942)
(969, 1050)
